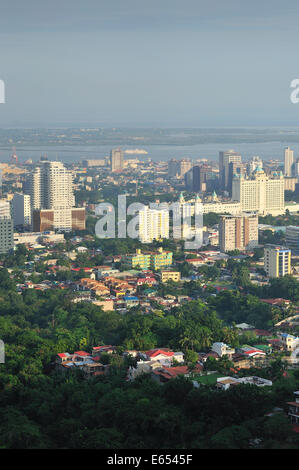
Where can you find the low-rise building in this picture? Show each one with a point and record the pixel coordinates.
(174, 276)
(289, 342)
(294, 409)
(222, 349)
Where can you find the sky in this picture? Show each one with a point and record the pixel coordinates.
(155, 63)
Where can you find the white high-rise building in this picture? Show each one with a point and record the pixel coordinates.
(57, 186)
(51, 188)
(153, 224)
(288, 161)
(259, 193)
(5, 209)
(21, 209)
(277, 261)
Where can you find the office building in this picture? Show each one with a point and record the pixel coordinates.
(277, 261)
(153, 224)
(288, 161)
(116, 160)
(21, 210)
(184, 166)
(238, 233)
(199, 178)
(259, 193)
(225, 158)
(178, 168)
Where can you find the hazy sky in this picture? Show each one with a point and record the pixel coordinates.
(148, 63)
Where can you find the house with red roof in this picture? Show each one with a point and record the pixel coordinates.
(163, 355)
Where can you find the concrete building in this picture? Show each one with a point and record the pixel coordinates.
(21, 210)
(288, 161)
(5, 208)
(174, 276)
(53, 200)
(238, 233)
(67, 219)
(222, 349)
(277, 261)
(253, 164)
(259, 193)
(292, 237)
(94, 163)
(153, 224)
(235, 169)
(225, 158)
(31, 238)
(290, 183)
(178, 168)
(6, 235)
(116, 160)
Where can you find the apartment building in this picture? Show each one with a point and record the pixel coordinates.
(153, 224)
(238, 233)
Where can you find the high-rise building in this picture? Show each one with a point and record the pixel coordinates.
(21, 210)
(259, 193)
(253, 164)
(178, 168)
(290, 183)
(153, 224)
(277, 261)
(199, 178)
(5, 208)
(6, 234)
(235, 169)
(116, 160)
(184, 166)
(225, 158)
(51, 189)
(238, 233)
(51, 186)
(288, 161)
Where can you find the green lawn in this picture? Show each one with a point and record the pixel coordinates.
(208, 379)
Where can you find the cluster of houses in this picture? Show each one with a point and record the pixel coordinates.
(164, 364)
